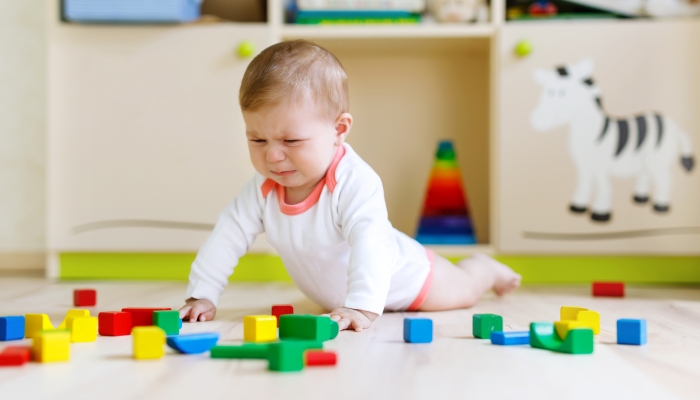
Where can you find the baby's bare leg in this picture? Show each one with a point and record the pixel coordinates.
(462, 285)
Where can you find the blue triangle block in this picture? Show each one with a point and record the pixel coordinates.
(194, 343)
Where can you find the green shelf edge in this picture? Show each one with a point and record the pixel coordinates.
(269, 268)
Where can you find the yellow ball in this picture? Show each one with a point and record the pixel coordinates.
(523, 48)
(246, 49)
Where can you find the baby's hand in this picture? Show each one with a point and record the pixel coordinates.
(198, 310)
(357, 319)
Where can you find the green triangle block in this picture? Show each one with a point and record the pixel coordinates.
(577, 341)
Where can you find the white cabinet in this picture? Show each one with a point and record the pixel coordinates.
(145, 130)
(563, 153)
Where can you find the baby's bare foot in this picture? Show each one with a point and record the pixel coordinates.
(506, 280)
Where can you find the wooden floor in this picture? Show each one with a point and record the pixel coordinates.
(375, 364)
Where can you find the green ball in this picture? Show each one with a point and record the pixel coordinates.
(523, 48)
(246, 49)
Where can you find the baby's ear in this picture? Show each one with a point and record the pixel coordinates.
(343, 124)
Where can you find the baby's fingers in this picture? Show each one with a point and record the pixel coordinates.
(357, 325)
(185, 312)
(344, 323)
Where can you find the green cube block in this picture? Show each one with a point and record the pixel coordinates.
(167, 320)
(577, 341)
(289, 356)
(484, 324)
(307, 327)
(248, 350)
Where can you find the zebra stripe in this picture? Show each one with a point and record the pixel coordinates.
(660, 130)
(641, 130)
(623, 130)
(605, 129)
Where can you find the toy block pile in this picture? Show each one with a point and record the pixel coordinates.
(573, 333)
(297, 343)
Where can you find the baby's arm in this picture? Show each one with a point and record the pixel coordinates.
(234, 233)
(365, 225)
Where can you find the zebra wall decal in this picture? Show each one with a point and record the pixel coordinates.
(645, 145)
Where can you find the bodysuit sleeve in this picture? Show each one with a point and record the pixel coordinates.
(365, 225)
(234, 233)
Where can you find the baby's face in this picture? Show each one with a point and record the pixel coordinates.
(292, 144)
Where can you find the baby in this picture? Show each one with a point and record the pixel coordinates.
(322, 207)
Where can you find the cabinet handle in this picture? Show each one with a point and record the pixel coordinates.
(246, 49)
(523, 48)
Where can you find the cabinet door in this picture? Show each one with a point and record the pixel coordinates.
(146, 140)
(598, 127)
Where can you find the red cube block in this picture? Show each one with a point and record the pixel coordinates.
(15, 355)
(142, 316)
(84, 297)
(315, 358)
(114, 323)
(281, 309)
(609, 289)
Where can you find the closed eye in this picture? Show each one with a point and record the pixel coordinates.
(292, 141)
(258, 140)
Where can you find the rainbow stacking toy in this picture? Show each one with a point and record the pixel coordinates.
(445, 218)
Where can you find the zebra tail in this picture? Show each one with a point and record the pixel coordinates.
(687, 159)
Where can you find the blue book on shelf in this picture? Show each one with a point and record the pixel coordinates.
(131, 11)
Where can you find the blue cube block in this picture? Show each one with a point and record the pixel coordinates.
(11, 328)
(510, 338)
(632, 331)
(417, 330)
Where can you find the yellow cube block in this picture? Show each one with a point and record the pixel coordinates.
(51, 346)
(563, 327)
(570, 313)
(590, 319)
(35, 323)
(260, 328)
(149, 342)
(73, 313)
(82, 329)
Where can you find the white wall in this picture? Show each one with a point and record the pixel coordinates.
(22, 125)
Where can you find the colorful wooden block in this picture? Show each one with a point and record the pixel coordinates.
(510, 338)
(577, 317)
(608, 289)
(84, 297)
(578, 341)
(632, 331)
(281, 309)
(114, 323)
(417, 330)
(168, 320)
(259, 328)
(142, 316)
(307, 327)
(11, 328)
(36, 323)
(193, 343)
(289, 356)
(149, 342)
(245, 351)
(73, 314)
(314, 358)
(82, 329)
(570, 312)
(484, 324)
(13, 356)
(51, 346)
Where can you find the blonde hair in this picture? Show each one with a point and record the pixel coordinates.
(291, 71)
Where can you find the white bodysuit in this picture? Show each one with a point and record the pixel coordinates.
(337, 245)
